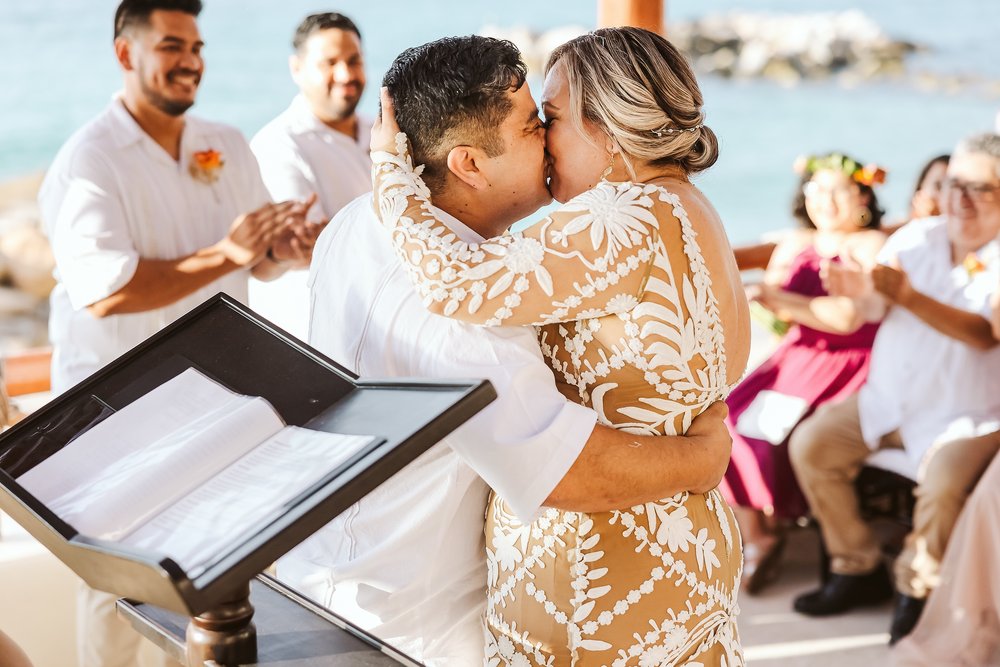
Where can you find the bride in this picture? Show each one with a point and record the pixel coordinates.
(640, 314)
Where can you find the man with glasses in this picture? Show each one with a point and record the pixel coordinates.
(933, 390)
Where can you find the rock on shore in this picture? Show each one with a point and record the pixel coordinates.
(785, 47)
(792, 47)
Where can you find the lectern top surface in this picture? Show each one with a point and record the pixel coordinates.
(383, 424)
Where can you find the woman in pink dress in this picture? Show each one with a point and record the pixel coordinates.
(814, 364)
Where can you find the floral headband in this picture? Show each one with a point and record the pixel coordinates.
(870, 174)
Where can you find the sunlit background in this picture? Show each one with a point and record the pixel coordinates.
(58, 71)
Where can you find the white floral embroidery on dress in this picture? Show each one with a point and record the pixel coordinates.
(615, 315)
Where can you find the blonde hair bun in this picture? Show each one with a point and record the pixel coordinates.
(641, 90)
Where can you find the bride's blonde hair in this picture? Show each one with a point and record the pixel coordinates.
(637, 87)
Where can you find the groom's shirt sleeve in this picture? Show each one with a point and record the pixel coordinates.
(525, 442)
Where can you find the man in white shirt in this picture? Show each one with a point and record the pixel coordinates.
(408, 561)
(933, 389)
(147, 212)
(318, 145)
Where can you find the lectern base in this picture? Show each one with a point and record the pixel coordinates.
(292, 632)
(225, 635)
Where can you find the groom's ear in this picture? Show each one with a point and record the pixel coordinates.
(466, 164)
(123, 52)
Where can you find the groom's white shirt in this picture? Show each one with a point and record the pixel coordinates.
(408, 561)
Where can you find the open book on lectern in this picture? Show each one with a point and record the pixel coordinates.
(188, 467)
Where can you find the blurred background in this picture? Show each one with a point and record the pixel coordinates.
(888, 82)
(58, 71)
(891, 82)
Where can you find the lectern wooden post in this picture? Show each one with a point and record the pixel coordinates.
(232, 347)
(225, 635)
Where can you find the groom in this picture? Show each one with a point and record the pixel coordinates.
(408, 561)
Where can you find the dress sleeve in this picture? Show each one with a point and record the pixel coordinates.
(590, 258)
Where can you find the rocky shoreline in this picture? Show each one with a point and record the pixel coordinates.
(26, 264)
(792, 47)
(848, 46)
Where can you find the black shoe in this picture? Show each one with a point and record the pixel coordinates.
(905, 617)
(844, 592)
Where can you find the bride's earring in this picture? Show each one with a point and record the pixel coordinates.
(611, 167)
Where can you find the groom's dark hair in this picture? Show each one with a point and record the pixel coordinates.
(318, 22)
(453, 92)
(135, 13)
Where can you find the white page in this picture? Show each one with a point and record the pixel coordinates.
(151, 452)
(246, 496)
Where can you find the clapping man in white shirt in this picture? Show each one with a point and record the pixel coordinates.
(408, 562)
(150, 211)
(933, 389)
(318, 145)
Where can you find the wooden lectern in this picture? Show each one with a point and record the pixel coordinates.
(229, 343)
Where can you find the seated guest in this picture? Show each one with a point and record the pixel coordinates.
(924, 203)
(933, 390)
(823, 358)
(926, 199)
(961, 624)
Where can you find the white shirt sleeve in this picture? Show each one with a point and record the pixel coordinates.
(911, 235)
(286, 174)
(90, 236)
(523, 443)
(256, 191)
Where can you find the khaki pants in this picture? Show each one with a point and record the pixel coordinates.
(105, 640)
(827, 451)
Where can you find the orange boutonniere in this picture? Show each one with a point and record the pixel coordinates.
(972, 264)
(206, 165)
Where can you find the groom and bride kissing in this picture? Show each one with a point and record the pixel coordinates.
(574, 521)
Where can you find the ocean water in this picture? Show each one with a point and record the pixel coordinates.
(57, 70)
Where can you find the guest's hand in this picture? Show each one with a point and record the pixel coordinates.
(892, 283)
(386, 128)
(251, 234)
(709, 431)
(763, 294)
(293, 245)
(846, 278)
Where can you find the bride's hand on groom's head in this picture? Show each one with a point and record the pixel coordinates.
(386, 128)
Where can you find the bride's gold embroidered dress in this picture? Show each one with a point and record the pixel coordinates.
(619, 291)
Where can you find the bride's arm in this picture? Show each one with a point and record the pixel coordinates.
(590, 258)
